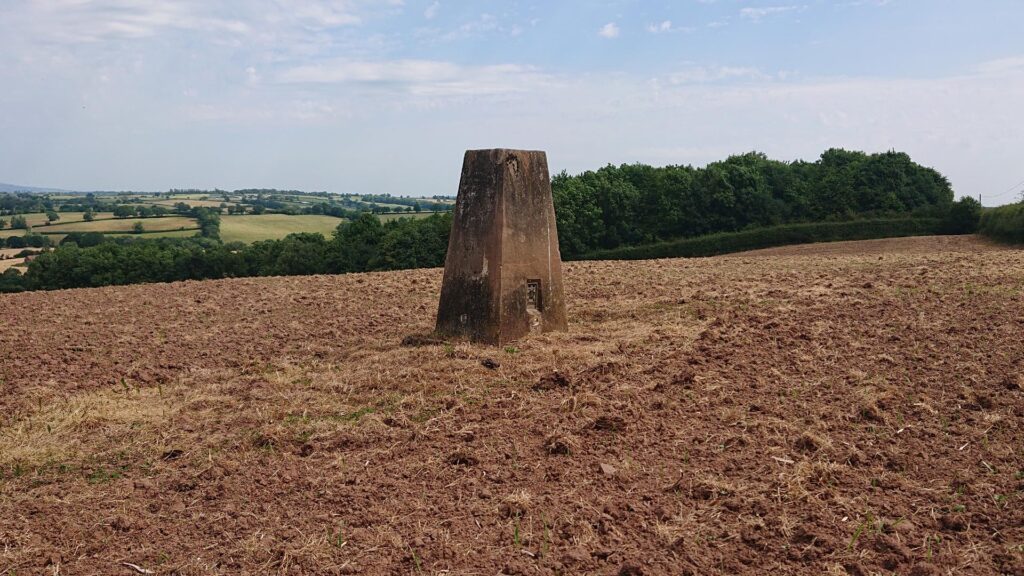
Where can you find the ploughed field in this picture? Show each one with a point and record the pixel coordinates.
(848, 408)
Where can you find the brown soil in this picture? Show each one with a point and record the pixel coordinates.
(841, 409)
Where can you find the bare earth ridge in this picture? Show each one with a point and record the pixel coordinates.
(850, 408)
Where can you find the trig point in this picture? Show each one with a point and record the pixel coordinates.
(503, 272)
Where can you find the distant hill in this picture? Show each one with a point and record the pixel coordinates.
(19, 188)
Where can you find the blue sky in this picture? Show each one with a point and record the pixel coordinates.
(384, 96)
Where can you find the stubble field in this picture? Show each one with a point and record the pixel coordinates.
(851, 408)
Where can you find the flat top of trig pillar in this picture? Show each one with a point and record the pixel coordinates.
(482, 150)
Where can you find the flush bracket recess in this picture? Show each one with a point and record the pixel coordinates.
(534, 295)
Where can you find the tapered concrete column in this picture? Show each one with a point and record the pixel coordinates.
(503, 272)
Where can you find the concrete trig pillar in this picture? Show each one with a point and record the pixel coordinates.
(503, 272)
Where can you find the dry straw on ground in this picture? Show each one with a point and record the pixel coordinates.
(844, 409)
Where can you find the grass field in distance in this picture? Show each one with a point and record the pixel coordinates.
(396, 215)
(10, 263)
(253, 228)
(163, 224)
(192, 203)
(38, 219)
(187, 233)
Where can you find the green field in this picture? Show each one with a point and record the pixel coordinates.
(252, 228)
(396, 216)
(123, 225)
(186, 233)
(63, 196)
(192, 203)
(38, 219)
(179, 197)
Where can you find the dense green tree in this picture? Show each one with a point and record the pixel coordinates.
(52, 216)
(83, 239)
(413, 243)
(964, 216)
(37, 240)
(297, 254)
(88, 216)
(356, 244)
(580, 224)
(1005, 223)
(138, 228)
(209, 222)
(12, 281)
(18, 222)
(636, 204)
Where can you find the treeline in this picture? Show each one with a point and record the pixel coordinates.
(628, 211)
(417, 204)
(23, 203)
(208, 220)
(26, 241)
(784, 235)
(636, 204)
(363, 245)
(1005, 223)
(127, 211)
(31, 203)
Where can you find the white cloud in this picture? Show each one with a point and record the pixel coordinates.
(431, 12)
(320, 15)
(609, 30)
(75, 21)
(1002, 65)
(757, 14)
(666, 26)
(482, 25)
(663, 26)
(419, 77)
(90, 21)
(291, 111)
(400, 71)
(709, 74)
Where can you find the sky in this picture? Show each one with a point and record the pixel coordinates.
(385, 96)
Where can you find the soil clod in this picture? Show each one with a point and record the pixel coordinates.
(552, 381)
(559, 444)
(416, 340)
(462, 459)
(609, 423)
